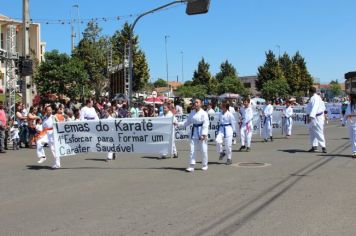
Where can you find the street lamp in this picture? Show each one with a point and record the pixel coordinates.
(165, 40)
(193, 7)
(77, 6)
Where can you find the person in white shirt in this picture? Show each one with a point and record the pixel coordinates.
(267, 121)
(135, 111)
(198, 139)
(288, 121)
(88, 112)
(227, 126)
(210, 110)
(350, 120)
(168, 113)
(47, 136)
(315, 118)
(179, 110)
(14, 135)
(246, 125)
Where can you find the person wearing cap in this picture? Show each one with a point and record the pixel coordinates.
(315, 121)
(288, 121)
(227, 126)
(267, 121)
(199, 134)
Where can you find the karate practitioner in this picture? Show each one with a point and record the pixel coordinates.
(267, 121)
(198, 139)
(88, 112)
(287, 117)
(246, 125)
(47, 136)
(227, 126)
(110, 115)
(167, 112)
(350, 119)
(315, 118)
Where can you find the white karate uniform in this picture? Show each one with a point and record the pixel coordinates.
(110, 154)
(267, 121)
(315, 109)
(351, 123)
(174, 149)
(87, 113)
(246, 126)
(200, 122)
(227, 126)
(47, 123)
(288, 121)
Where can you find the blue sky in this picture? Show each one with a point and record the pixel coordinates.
(240, 31)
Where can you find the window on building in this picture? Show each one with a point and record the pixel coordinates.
(2, 41)
(247, 85)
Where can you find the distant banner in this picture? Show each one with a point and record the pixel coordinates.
(129, 135)
(182, 133)
(334, 111)
(257, 122)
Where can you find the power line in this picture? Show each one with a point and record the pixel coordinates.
(66, 21)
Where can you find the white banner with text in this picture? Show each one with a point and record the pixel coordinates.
(128, 135)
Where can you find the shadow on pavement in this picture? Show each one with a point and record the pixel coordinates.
(292, 150)
(95, 159)
(32, 167)
(155, 158)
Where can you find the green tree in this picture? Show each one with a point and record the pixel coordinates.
(202, 75)
(305, 81)
(290, 72)
(160, 83)
(120, 41)
(213, 86)
(226, 70)
(335, 88)
(270, 71)
(92, 51)
(232, 85)
(188, 83)
(61, 74)
(197, 91)
(275, 88)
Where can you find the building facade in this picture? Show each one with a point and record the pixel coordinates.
(37, 47)
(249, 83)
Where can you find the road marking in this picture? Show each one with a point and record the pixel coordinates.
(251, 164)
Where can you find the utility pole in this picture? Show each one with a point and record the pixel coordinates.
(72, 34)
(27, 83)
(165, 40)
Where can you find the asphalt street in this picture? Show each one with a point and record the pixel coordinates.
(297, 193)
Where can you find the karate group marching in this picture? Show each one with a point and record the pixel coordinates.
(228, 123)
